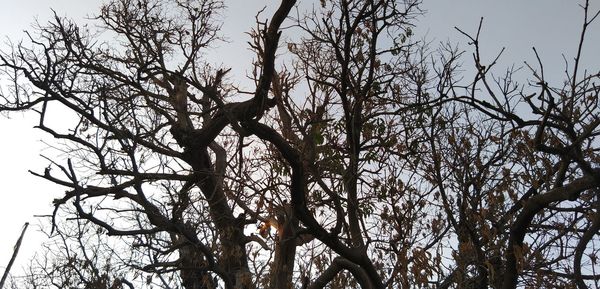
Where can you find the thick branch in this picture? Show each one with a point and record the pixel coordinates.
(532, 207)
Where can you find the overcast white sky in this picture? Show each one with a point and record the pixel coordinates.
(552, 26)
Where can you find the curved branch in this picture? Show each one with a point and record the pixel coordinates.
(581, 246)
(533, 206)
(298, 201)
(338, 265)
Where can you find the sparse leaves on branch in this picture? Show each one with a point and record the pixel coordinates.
(359, 158)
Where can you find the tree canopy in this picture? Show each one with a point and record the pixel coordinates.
(360, 158)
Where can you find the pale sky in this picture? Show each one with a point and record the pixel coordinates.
(552, 26)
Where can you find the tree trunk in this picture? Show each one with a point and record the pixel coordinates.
(282, 268)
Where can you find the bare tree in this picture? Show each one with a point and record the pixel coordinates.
(355, 161)
(149, 110)
(519, 189)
